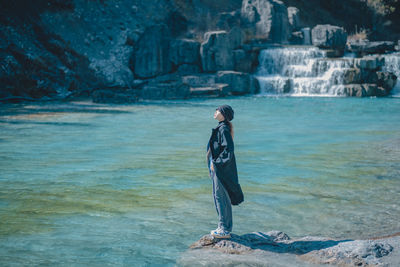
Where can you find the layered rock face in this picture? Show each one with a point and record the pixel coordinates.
(266, 19)
(136, 50)
(151, 57)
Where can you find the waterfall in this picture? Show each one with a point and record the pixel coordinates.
(301, 71)
(392, 64)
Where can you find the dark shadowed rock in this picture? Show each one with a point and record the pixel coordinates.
(370, 62)
(364, 47)
(329, 36)
(352, 75)
(296, 38)
(386, 80)
(236, 37)
(186, 69)
(151, 55)
(242, 62)
(228, 20)
(361, 90)
(216, 51)
(184, 51)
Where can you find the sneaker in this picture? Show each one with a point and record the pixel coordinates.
(219, 233)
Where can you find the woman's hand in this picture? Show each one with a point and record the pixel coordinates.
(212, 166)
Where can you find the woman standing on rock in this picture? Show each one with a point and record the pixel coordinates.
(223, 172)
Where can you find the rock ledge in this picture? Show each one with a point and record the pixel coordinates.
(275, 248)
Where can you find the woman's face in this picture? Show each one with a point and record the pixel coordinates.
(218, 115)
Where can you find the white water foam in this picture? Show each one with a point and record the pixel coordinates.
(306, 71)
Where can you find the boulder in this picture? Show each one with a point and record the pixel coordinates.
(184, 51)
(329, 36)
(266, 19)
(216, 51)
(239, 82)
(151, 55)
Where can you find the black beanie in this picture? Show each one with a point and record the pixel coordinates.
(226, 111)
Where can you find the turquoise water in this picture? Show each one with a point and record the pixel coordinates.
(84, 183)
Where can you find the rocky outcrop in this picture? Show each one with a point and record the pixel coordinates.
(80, 48)
(239, 82)
(329, 36)
(37, 64)
(185, 52)
(266, 20)
(216, 52)
(151, 57)
(278, 249)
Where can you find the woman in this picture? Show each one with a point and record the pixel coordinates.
(223, 172)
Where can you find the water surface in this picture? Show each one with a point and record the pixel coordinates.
(84, 183)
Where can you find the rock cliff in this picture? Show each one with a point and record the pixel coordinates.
(116, 50)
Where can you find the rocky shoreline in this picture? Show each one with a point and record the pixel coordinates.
(276, 248)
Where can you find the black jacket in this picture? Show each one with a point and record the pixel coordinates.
(223, 157)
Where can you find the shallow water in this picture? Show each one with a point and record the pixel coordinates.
(84, 183)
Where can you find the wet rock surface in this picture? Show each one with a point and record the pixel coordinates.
(276, 248)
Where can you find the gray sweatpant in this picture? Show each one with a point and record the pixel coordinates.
(222, 201)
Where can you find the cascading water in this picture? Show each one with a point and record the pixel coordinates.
(301, 71)
(392, 64)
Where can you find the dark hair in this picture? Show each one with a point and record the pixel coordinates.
(231, 127)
